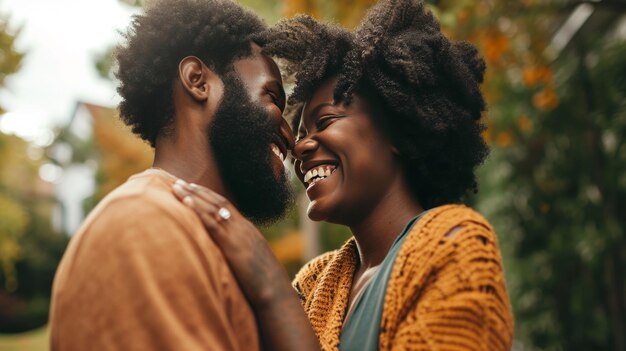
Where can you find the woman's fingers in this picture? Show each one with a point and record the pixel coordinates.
(206, 194)
(243, 246)
(210, 223)
(203, 203)
(209, 195)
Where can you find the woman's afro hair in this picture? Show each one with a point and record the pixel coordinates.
(428, 87)
(216, 31)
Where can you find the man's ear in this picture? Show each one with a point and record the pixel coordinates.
(196, 77)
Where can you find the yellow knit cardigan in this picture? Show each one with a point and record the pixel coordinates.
(446, 290)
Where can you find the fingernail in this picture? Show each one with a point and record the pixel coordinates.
(188, 201)
(178, 189)
(193, 185)
(180, 182)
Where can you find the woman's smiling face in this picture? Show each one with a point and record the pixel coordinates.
(344, 158)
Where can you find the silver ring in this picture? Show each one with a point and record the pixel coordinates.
(224, 213)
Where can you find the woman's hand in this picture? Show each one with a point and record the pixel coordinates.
(260, 275)
(282, 322)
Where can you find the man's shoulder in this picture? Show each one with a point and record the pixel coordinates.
(142, 194)
(141, 218)
(151, 189)
(144, 205)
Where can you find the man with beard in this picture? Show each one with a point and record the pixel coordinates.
(141, 273)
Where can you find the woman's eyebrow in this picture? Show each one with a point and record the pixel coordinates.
(319, 107)
(307, 116)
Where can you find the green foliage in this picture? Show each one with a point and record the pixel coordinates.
(16, 175)
(561, 216)
(29, 249)
(269, 10)
(10, 58)
(13, 220)
(27, 307)
(333, 236)
(554, 187)
(104, 64)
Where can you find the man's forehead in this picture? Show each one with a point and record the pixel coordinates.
(258, 63)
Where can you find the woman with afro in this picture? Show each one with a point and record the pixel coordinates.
(388, 139)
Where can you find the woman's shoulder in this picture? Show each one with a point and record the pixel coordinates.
(449, 273)
(447, 235)
(447, 220)
(456, 212)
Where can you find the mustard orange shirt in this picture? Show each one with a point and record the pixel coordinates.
(142, 274)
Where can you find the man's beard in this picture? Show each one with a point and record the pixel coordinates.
(240, 136)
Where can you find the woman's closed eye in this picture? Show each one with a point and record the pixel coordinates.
(324, 121)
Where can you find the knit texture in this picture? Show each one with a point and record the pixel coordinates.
(446, 290)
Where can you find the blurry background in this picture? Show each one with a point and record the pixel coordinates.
(554, 186)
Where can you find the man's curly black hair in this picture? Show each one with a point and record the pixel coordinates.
(216, 31)
(428, 87)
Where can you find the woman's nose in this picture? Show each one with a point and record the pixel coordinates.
(304, 148)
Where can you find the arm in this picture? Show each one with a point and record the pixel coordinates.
(281, 319)
(463, 301)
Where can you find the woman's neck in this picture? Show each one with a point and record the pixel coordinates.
(377, 231)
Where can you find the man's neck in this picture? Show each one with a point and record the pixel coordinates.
(189, 161)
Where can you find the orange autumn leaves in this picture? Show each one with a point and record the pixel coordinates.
(546, 99)
(519, 64)
(310, 7)
(122, 154)
(496, 45)
(346, 12)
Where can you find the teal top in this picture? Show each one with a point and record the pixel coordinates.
(360, 332)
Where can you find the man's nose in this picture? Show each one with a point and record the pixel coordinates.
(287, 134)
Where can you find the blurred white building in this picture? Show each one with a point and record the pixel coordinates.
(75, 182)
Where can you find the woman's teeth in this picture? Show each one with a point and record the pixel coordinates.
(316, 174)
(277, 152)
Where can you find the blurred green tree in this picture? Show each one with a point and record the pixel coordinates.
(13, 218)
(29, 248)
(564, 205)
(345, 12)
(554, 186)
(10, 58)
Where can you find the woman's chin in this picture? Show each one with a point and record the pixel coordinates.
(316, 213)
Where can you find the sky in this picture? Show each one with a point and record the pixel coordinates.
(61, 40)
